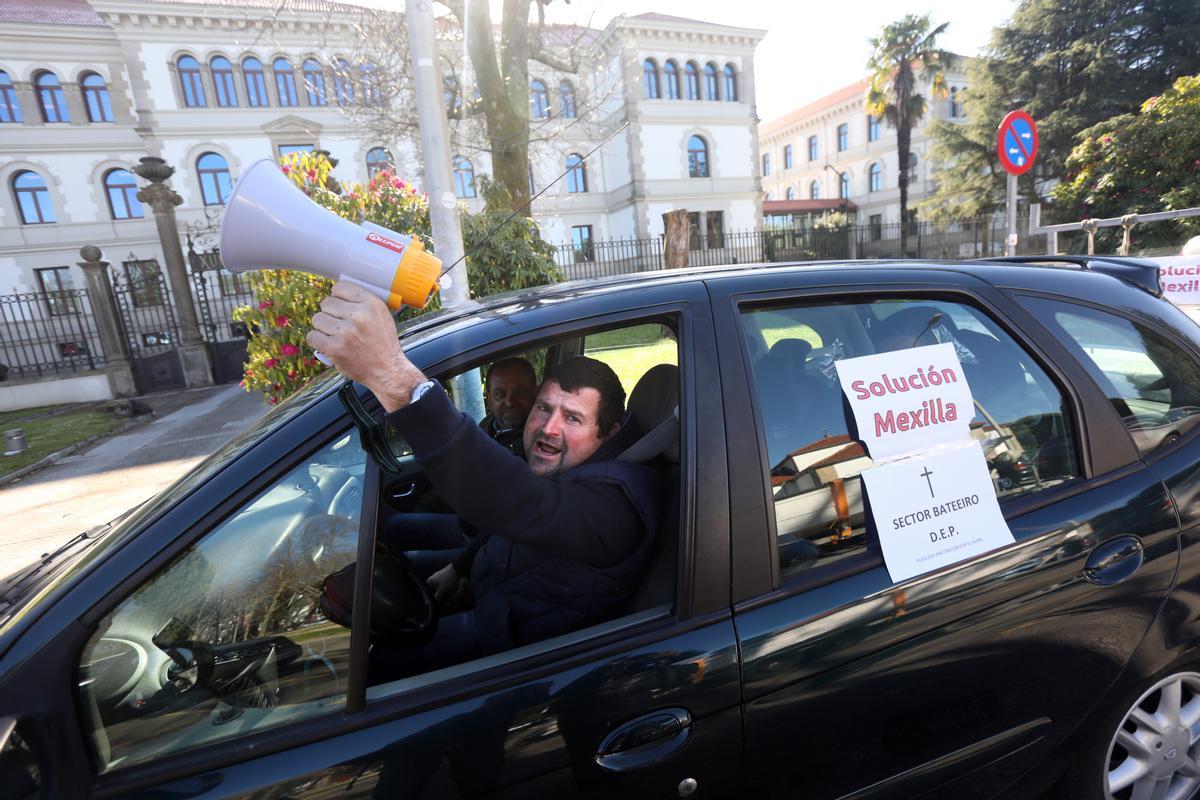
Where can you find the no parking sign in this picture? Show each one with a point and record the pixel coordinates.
(1017, 142)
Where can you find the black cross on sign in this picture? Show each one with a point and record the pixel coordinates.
(926, 475)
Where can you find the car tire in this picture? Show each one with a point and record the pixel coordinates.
(1149, 739)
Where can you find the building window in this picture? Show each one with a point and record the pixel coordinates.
(766, 164)
(812, 148)
(190, 82)
(843, 137)
(912, 168)
(692, 79)
(872, 128)
(716, 229)
(215, 183)
(697, 157)
(464, 178)
(343, 84)
(223, 84)
(59, 287)
(650, 78)
(145, 281)
(121, 190)
(844, 186)
(539, 100)
(875, 224)
(576, 174)
(791, 193)
(767, 197)
(33, 198)
(314, 82)
(787, 156)
(814, 190)
(693, 230)
(566, 100)
(372, 96)
(256, 83)
(451, 96)
(50, 98)
(581, 241)
(379, 160)
(875, 178)
(731, 92)
(285, 82)
(288, 149)
(10, 105)
(955, 107)
(711, 82)
(671, 70)
(96, 99)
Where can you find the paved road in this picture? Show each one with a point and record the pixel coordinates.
(91, 487)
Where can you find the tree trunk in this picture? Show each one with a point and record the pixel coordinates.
(903, 151)
(676, 233)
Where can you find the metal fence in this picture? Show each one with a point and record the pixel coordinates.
(48, 334)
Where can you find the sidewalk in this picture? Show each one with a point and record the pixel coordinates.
(91, 486)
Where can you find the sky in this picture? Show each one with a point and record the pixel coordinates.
(812, 47)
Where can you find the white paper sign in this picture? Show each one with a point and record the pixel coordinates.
(1180, 277)
(935, 510)
(908, 401)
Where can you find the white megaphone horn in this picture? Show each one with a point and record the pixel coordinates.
(270, 224)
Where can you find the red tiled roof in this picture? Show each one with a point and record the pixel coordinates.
(837, 98)
(49, 12)
(821, 444)
(854, 450)
(802, 206)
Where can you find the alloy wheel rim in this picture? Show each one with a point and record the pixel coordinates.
(1155, 752)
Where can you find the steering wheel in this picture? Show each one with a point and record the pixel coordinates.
(403, 610)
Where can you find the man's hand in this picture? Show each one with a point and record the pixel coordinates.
(449, 590)
(355, 329)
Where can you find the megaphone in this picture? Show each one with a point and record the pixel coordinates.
(269, 223)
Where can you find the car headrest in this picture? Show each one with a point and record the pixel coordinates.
(794, 350)
(653, 402)
(906, 326)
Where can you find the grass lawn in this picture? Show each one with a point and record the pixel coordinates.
(631, 352)
(51, 434)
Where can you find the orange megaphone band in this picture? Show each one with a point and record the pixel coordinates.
(416, 277)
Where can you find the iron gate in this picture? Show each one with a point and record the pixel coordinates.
(218, 292)
(148, 323)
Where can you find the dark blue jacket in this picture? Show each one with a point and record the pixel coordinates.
(554, 554)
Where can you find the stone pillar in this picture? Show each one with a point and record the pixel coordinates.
(676, 236)
(31, 111)
(108, 325)
(193, 351)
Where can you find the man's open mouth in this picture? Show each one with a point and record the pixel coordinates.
(546, 449)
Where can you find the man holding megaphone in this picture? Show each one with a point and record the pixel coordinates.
(565, 535)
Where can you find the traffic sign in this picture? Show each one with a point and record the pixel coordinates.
(1017, 142)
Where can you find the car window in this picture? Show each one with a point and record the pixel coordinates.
(813, 462)
(1152, 383)
(632, 351)
(229, 638)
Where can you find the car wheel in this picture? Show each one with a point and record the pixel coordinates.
(1154, 749)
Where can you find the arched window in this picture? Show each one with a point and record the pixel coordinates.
(222, 75)
(671, 71)
(285, 82)
(451, 95)
(190, 82)
(712, 84)
(343, 83)
(95, 98)
(566, 100)
(731, 92)
(912, 168)
(692, 80)
(767, 196)
(814, 190)
(844, 186)
(539, 100)
(697, 157)
(464, 178)
(378, 160)
(10, 106)
(787, 156)
(576, 174)
(314, 82)
(33, 198)
(650, 79)
(121, 189)
(875, 178)
(50, 98)
(766, 164)
(256, 83)
(215, 183)
(791, 193)
(371, 94)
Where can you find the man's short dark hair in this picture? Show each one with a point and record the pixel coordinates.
(516, 362)
(582, 372)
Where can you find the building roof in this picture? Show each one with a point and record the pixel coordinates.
(856, 89)
(50, 12)
(807, 206)
(651, 16)
(304, 6)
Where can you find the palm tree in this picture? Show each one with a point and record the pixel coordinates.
(892, 89)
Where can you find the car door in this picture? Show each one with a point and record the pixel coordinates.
(647, 704)
(855, 685)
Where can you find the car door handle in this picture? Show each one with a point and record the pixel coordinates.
(1114, 561)
(645, 740)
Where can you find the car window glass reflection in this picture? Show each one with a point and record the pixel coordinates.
(814, 463)
(229, 637)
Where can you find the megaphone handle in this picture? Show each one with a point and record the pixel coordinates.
(324, 359)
